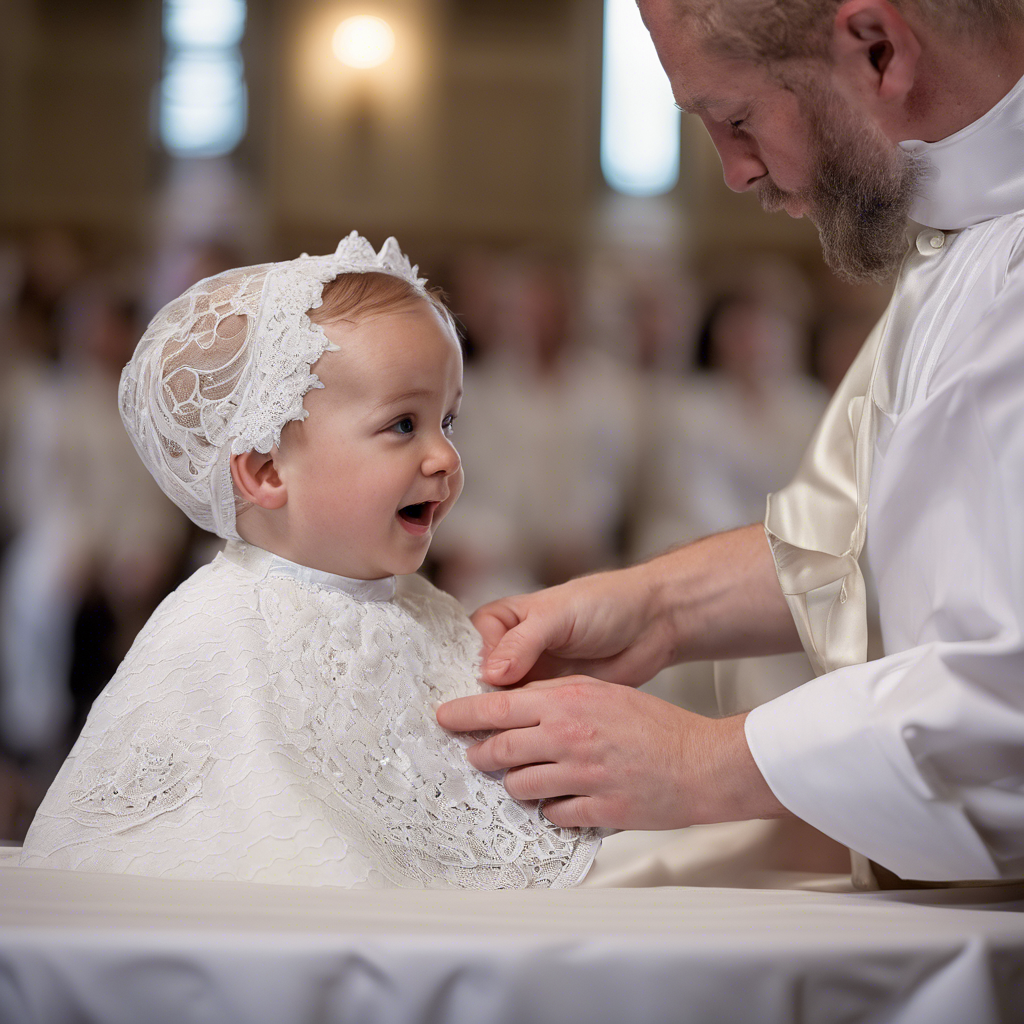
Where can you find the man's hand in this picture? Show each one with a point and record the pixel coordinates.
(716, 598)
(605, 625)
(611, 756)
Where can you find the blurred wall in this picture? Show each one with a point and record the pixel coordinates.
(483, 127)
(76, 81)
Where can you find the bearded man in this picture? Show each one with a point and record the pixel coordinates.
(897, 126)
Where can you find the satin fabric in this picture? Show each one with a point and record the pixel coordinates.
(954, 290)
(818, 523)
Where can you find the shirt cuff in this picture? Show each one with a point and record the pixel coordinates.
(841, 764)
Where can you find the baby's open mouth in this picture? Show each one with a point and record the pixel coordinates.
(419, 514)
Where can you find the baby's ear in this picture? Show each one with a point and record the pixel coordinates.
(257, 480)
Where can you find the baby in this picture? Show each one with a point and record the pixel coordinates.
(274, 719)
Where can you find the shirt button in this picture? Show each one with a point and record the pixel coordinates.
(930, 242)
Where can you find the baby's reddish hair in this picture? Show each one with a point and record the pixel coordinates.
(353, 297)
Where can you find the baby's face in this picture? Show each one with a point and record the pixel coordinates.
(372, 470)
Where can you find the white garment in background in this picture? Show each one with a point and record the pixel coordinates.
(711, 455)
(916, 760)
(84, 506)
(553, 455)
(275, 723)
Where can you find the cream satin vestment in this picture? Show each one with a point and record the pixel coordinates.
(916, 760)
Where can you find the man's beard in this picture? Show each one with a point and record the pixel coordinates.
(860, 193)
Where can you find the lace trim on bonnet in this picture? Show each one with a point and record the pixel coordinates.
(223, 368)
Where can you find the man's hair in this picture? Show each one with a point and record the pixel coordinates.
(354, 297)
(777, 30)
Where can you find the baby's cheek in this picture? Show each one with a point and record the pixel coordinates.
(371, 502)
(455, 482)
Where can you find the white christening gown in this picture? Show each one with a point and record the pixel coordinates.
(275, 723)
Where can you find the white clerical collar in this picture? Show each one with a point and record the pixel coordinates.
(266, 563)
(976, 174)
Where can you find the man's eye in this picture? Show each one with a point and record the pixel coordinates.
(736, 125)
(403, 426)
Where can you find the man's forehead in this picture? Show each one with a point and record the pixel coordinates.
(693, 104)
(701, 85)
(700, 79)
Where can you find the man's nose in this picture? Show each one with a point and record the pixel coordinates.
(741, 165)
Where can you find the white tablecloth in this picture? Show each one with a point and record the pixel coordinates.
(79, 947)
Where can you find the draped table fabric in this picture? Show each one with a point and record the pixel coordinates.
(125, 949)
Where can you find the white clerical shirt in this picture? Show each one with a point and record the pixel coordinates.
(916, 760)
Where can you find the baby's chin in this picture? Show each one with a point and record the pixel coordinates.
(400, 564)
(406, 567)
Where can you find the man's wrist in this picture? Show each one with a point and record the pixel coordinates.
(680, 585)
(740, 789)
(719, 597)
(654, 599)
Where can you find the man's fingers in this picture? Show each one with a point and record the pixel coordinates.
(510, 749)
(538, 782)
(548, 684)
(571, 812)
(485, 711)
(492, 622)
(549, 666)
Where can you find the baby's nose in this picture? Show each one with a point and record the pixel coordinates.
(442, 458)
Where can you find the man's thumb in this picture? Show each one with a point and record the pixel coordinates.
(514, 654)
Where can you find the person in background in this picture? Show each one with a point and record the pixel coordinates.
(719, 441)
(549, 437)
(90, 520)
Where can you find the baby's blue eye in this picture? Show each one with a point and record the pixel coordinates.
(403, 426)
(448, 425)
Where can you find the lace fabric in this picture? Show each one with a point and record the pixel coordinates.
(222, 369)
(157, 772)
(279, 728)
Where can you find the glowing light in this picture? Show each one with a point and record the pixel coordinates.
(189, 23)
(639, 120)
(203, 103)
(363, 41)
(203, 100)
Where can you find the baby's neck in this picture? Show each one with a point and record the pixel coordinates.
(255, 534)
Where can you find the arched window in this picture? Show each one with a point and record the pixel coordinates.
(639, 120)
(203, 102)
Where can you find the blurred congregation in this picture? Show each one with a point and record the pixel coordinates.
(643, 365)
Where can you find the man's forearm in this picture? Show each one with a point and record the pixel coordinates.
(720, 598)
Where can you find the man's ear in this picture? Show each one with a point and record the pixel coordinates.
(875, 51)
(257, 479)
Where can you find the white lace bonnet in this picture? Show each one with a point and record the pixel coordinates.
(221, 370)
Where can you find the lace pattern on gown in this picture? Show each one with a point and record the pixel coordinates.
(399, 785)
(138, 775)
(271, 728)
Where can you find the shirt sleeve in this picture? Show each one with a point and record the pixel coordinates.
(916, 760)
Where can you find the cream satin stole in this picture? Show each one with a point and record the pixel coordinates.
(817, 524)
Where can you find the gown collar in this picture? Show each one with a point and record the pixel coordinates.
(266, 563)
(977, 173)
